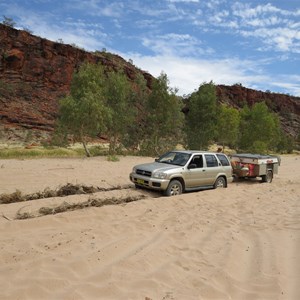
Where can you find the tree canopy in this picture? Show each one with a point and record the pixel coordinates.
(104, 101)
(132, 116)
(201, 118)
(84, 112)
(228, 122)
(119, 102)
(259, 130)
(164, 118)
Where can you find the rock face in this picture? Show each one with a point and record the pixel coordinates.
(35, 73)
(287, 107)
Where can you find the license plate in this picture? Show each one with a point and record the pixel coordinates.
(140, 181)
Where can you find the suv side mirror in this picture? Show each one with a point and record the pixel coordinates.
(156, 159)
(192, 166)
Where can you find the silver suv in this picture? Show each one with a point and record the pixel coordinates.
(179, 171)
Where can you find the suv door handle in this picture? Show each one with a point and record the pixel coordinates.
(203, 170)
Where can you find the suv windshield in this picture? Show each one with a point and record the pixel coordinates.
(174, 158)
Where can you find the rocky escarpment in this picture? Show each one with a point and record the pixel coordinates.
(34, 74)
(286, 106)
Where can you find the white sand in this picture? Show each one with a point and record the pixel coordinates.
(242, 242)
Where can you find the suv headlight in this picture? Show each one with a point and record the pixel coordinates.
(134, 170)
(159, 175)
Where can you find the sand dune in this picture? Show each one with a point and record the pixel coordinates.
(242, 242)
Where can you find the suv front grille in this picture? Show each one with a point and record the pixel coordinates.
(143, 172)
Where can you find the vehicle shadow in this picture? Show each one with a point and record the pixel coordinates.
(247, 181)
(236, 182)
(147, 192)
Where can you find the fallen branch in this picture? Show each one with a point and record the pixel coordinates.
(7, 218)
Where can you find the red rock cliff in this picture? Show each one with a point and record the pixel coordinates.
(34, 74)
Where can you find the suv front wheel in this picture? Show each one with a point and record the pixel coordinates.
(174, 188)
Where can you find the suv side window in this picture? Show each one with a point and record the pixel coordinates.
(211, 160)
(223, 159)
(198, 161)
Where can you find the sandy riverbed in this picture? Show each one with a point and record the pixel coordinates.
(242, 242)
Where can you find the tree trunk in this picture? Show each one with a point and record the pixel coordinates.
(87, 152)
(113, 145)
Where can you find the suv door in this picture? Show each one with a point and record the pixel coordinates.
(212, 169)
(195, 176)
(225, 163)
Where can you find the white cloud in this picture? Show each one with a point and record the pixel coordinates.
(246, 11)
(187, 74)
(84, 34)
(288, 83)
(275, 28)
(214, 4)
(219, 17)
(282, 39)
(257, 22)
(183, 1)
(175, 44)
(97, 8)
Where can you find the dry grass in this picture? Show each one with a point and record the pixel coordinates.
(66, 190)
(39, 153)
(11, 198)
(65, 206)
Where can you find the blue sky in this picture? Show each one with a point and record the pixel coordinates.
(255, 42)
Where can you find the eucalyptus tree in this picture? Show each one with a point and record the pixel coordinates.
(84, 113)
(122, 111)
(260, 129)
(164, 120)
(201, 118)
(228, 122)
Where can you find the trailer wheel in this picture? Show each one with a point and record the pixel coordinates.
(268, 177)
(237, 179)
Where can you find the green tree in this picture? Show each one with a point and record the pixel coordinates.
(286, 143)
(259, 130)
(84, 112)
(137, 130)
(107, 103)
(164, 119)
(228, 125)
(120, 103)
(201, 118)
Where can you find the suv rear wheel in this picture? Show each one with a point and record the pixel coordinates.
(174, 188)
(220, 183)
